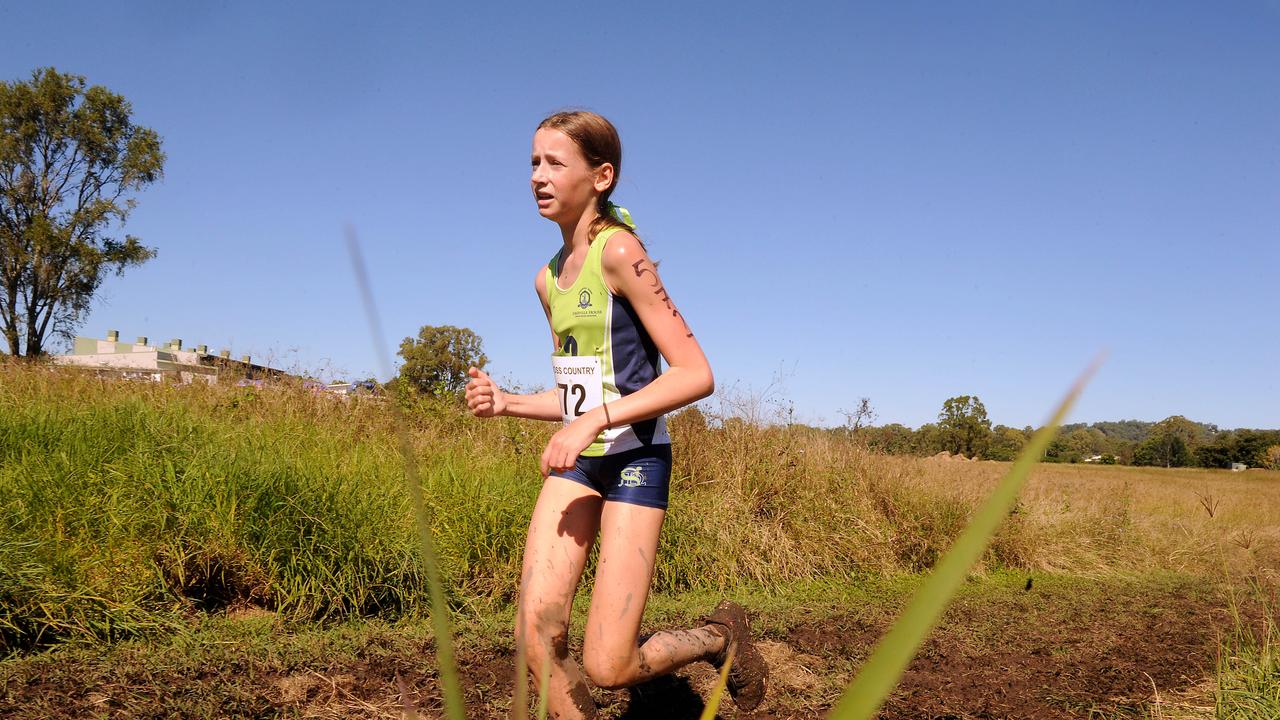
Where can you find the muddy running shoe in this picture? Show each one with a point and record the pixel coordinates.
(747, 675)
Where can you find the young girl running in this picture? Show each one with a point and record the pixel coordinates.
(607, 470)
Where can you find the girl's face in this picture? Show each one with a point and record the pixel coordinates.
(564, 185)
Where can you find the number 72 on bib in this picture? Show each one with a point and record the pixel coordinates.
(578, 384)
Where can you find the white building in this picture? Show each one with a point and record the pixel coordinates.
(143, 361)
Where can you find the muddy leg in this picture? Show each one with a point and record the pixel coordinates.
(669, 650)
(561, 532)
(628, 542)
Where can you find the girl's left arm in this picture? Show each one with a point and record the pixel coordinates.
(629, 272)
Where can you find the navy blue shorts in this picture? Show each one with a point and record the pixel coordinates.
(641, 476)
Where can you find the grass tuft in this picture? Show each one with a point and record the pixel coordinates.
(1248, 668)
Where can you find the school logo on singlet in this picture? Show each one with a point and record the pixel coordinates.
(585, 310)
(631, 476)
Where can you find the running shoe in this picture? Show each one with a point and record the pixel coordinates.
(748, 673)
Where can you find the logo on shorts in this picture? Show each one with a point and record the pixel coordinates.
(632, 476)
(584, 299)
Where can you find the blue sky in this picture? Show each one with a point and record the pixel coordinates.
(902, 201)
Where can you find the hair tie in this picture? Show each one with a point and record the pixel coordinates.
(619, 213)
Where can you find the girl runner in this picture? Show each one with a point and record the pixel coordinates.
(607, 469)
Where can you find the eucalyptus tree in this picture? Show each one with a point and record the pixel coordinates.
(71, 160)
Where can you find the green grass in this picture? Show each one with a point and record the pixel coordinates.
(1248, 672)
(119, 511)
(129, 511)
(124, 507)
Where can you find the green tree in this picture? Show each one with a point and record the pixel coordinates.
(436, 361)
(1163, 451)
(1172, 443)
(1006, 443)
(964, 426)
(1251, 446)
(1082, 443)
(891, 439)
(1220, 452)
(70, 160)
(929, 440)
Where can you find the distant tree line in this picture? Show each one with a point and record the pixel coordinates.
(964, 429)
(435, 364)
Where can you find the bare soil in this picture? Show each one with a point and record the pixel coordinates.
(1014, 654)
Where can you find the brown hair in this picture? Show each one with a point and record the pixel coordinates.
(599, 143)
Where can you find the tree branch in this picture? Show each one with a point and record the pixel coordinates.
(72, 168)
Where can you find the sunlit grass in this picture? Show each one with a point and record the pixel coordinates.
(122, 504)
(1248, 667)
(126, 507)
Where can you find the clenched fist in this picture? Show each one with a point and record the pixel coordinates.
(484, 397)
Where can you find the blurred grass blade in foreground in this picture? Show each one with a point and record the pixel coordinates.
(713, 702)
(880, 674)
(520, 698)
(450, 687)
(544, 687)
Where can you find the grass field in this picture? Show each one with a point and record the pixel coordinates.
(213, 552)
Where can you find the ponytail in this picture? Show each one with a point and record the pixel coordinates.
(610, 215)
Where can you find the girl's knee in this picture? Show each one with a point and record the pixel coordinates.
(605, 674)
(544, 633)
(610, 671)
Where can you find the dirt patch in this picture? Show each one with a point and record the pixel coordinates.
(1065, 658)
(386, 685)
(1010, 654)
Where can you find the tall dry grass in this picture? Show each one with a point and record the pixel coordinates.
(1100, 519)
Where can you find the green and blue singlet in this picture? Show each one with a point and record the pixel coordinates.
(605, 354)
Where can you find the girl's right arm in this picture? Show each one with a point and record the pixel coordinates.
(486, 399)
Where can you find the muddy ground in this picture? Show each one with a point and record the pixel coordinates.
(1027, 653)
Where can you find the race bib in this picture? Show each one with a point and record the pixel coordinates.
(579, 384)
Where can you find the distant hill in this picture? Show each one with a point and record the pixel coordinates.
(1136, 430)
